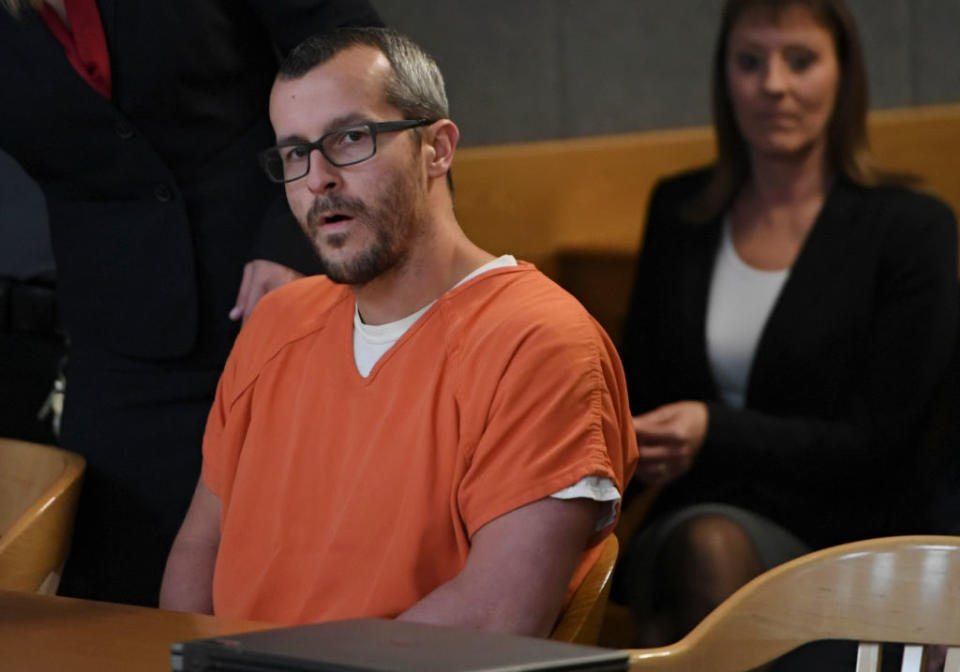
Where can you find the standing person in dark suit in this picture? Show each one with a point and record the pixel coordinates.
(792, 315)
(141, 121)
(31, 343)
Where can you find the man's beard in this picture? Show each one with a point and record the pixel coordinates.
(393, 221)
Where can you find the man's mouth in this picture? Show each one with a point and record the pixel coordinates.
(334, 218)
(333, 214)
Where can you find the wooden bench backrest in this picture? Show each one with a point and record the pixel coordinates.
(535, 199)
(576, 207)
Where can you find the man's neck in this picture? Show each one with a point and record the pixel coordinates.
(434, 266)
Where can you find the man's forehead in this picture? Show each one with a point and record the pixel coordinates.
(354, 77)
(361, 61)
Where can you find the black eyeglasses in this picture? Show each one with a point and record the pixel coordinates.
(342, 147)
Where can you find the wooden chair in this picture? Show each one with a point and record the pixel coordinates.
(635, 513)
(895, 589)
(39, 488)
(580, 621)
(618, 627)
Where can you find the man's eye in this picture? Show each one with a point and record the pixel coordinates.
(352, 136)
(297, 153)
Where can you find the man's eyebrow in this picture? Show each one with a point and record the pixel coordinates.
(292, 140)
(339, 122)
(346, 120)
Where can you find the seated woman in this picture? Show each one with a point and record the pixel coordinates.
(792, 315)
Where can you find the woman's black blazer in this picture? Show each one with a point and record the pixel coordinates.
(845, 369)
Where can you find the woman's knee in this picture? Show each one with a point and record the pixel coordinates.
(709, 543)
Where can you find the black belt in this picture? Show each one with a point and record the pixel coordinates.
(29, 306)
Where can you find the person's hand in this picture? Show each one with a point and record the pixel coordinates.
(259, 277)
(669, 439)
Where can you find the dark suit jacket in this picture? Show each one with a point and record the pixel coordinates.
(844, 371)
(155, 197)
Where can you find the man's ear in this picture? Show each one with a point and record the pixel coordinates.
(440, 143)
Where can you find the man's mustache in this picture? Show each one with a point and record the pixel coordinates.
(347, 206)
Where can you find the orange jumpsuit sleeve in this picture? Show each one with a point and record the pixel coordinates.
(559, 413)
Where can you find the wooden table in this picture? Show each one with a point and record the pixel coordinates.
(40, 633)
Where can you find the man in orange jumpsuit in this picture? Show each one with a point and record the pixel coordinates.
(429, 432)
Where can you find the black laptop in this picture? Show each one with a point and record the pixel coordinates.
(377, 645)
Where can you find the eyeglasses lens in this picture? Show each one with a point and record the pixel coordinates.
(341, 148)
(348, 145)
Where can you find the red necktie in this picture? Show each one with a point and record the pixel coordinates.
(84, 41)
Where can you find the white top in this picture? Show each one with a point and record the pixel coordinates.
(740, 302)
(371, 342)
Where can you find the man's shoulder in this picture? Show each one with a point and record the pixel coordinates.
(513, 303)
(307, 297)
(286, 315)
(506, 290)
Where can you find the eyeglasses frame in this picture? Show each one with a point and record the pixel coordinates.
(376, 127)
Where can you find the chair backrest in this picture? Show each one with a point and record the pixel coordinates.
(635, 512)
(39, 488)
(895, 589)
(580, 622)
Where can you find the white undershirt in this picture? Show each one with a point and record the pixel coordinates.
(372, 341)
(740, 302)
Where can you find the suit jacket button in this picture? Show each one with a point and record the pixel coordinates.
(163, 193)
(123, 129)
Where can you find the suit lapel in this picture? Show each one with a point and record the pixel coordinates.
(50, 65)
(809, 281)
(704, 242)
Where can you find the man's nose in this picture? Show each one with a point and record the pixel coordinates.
(323, 176)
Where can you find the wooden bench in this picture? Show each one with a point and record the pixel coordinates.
(576, 207)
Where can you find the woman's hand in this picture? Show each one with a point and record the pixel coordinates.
(669, 439)
(259, 277)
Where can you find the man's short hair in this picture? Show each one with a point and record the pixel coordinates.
(415, 87)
